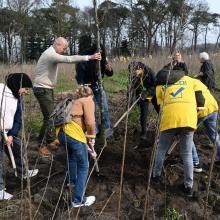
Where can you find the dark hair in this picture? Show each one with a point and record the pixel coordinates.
(135, 65)
(15, 81)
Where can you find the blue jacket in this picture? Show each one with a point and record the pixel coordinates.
(17, 121)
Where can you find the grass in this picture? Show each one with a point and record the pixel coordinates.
(65, 84)
(33, 122)
(173, 214)
(117, 82)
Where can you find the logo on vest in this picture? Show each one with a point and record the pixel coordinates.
(178, 93)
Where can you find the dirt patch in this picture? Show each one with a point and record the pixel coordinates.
(50, 196)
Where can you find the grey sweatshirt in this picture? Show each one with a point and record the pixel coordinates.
(47, 67)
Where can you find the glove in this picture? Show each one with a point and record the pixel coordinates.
(144, 94)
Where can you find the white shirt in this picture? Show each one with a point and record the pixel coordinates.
(8, 107)
(47, 67)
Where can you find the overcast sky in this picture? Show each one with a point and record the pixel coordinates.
(214, 6)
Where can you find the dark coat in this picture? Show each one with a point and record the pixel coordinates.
(178, 66)
(86, 72)
(146, 83)
(208, 77)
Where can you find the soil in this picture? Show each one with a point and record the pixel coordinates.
(49, 201)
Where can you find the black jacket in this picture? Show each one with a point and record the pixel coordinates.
(163, 77)
(178, 66)
(208, 77)
(148, 84)
(86, 71)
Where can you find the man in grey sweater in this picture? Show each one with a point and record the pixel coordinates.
(44, 82)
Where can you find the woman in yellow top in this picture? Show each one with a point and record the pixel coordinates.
(176, 94)
(75, 136)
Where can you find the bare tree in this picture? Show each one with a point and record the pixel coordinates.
(197, 21)
(23, 9)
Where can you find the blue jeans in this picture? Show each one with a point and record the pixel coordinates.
(97, 100)
(209, 123)
(165, 141)
(78, 165)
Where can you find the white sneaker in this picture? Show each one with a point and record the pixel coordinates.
(89, 201)
(31, 173)
(4, 195)
(197, 168)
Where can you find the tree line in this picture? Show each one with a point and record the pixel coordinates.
(127, 27)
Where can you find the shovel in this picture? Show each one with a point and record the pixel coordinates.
(123, 116)
(176, 141)
(95, 160)
(96, 167)
(11, 155)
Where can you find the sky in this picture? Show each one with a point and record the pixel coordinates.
(214, 6)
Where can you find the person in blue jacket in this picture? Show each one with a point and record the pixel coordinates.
(16, 82)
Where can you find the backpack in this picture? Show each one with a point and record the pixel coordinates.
(61, 113)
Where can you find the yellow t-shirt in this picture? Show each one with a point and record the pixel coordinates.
(74, 131)
(178, 104)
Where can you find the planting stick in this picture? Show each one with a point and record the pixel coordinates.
(176, 141)
(11, 155)
(122, 117)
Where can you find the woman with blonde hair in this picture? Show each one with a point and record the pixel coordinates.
(177, 63)
(75, 136)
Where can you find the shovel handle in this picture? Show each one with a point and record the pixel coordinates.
(96, 166)
(172, 146)
(122, 117)
(11, 155)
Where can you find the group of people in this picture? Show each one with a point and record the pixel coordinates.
(182, 101)
(78, 135)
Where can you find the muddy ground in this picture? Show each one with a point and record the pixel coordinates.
(49, 201)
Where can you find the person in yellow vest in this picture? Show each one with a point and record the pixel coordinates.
(177, 96)
(75, 136)
(209, 118)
